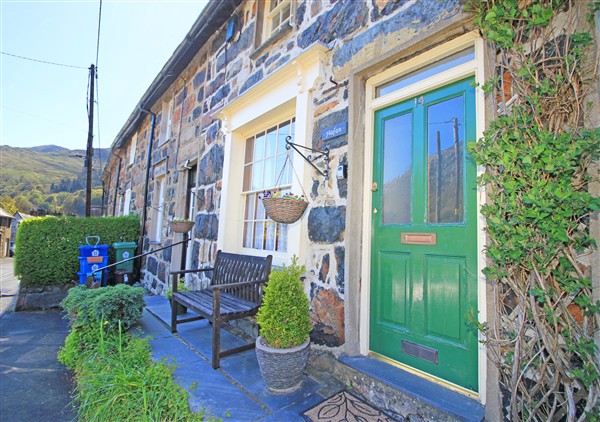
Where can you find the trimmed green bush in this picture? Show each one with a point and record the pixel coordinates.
(47, 249)
(114, 305)
(284, 317)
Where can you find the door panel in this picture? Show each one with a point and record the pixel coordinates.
(424, 250)
(394, 273)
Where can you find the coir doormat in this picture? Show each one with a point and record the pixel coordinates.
(344, 406)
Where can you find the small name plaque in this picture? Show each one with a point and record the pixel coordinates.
(334, 131)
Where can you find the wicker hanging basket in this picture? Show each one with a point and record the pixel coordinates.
(284, 210)
(181, 226)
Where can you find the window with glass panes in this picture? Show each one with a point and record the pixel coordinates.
(265, 169)
(278, 14)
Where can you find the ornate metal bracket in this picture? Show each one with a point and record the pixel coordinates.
(309, 159)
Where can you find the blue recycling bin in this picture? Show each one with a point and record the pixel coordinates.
(92, 258)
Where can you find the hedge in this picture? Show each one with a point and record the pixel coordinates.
(47, 248)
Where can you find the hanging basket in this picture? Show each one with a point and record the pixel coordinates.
(181, 226)
(284, 210)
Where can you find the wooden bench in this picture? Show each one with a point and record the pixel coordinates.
(235, 291)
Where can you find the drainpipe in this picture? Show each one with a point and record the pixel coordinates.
(116, 183)
(147, 178)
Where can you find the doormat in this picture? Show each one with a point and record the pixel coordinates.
(344, 406)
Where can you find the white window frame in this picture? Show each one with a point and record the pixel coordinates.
(280, 161)
(132, 148)
(270, 15)
(127, 202)
(285, 93)
(166, 123)
(158, 208)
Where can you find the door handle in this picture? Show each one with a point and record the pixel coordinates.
(374, 187)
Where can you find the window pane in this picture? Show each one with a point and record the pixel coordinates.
(285, 13)
(270, 238)
(250, 206)
(259, 147)
(282, 236)
(247, 177)
(270, 173)
(445, 138)
(249, 150)
(257, 175)
(248, 235)
(275, 23)
(260, 211)
(397, 169)
(425, 72)
(259, 235)
(284, 131)
(271, 142)
(284, 179)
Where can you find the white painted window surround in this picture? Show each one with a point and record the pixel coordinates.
(132, 148)
(284, 93)
(127, 202)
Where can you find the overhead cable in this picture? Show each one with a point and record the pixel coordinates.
(42, 61)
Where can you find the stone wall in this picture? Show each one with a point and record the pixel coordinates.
(356, 32)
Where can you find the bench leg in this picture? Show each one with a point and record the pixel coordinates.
(216, 343)
(173, 316)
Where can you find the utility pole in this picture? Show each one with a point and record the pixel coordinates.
(89, 157)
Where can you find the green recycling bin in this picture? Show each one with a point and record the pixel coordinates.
(124, 250)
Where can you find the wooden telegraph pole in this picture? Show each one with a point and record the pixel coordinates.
(89, 157)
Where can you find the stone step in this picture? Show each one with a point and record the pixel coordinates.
(401, 394)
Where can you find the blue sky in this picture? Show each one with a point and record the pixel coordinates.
(44, 104)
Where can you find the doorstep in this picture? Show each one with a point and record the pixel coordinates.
(400, 392)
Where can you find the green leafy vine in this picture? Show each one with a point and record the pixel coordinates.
(538, 154)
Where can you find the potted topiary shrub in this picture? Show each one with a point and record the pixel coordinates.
(282, 347)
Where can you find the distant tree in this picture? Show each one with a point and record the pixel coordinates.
(8, 204)
(23, 204)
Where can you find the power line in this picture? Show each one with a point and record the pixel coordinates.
(97, 96)
(42, 61)
(98, 41)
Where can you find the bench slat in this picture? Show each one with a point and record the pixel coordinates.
(235, 302)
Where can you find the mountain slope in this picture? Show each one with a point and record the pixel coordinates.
(22, 169)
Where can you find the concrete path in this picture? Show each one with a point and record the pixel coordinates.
(9, 286)
(34, 385)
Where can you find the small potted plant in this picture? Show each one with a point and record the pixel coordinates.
(282, 347)
(181, 287)
(181, 225)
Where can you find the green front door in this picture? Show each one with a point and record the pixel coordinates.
(424, 234)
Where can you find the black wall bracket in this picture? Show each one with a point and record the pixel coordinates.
(324, 153)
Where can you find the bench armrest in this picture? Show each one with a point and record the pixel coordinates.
(179, 272)
(235, 285)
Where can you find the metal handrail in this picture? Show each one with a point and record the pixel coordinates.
(140, 255)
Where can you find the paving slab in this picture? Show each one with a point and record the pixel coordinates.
(211, 390)
(34, 385)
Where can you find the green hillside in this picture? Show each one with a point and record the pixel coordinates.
(46, 176)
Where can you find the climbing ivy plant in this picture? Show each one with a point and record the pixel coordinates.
(537, 155)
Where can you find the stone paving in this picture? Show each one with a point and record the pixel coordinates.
(234, 392)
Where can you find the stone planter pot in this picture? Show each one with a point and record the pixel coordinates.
(282, 369)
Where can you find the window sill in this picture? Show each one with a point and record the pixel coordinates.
(281, 32)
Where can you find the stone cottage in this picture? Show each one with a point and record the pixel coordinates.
(6, 222)
(392, 238)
